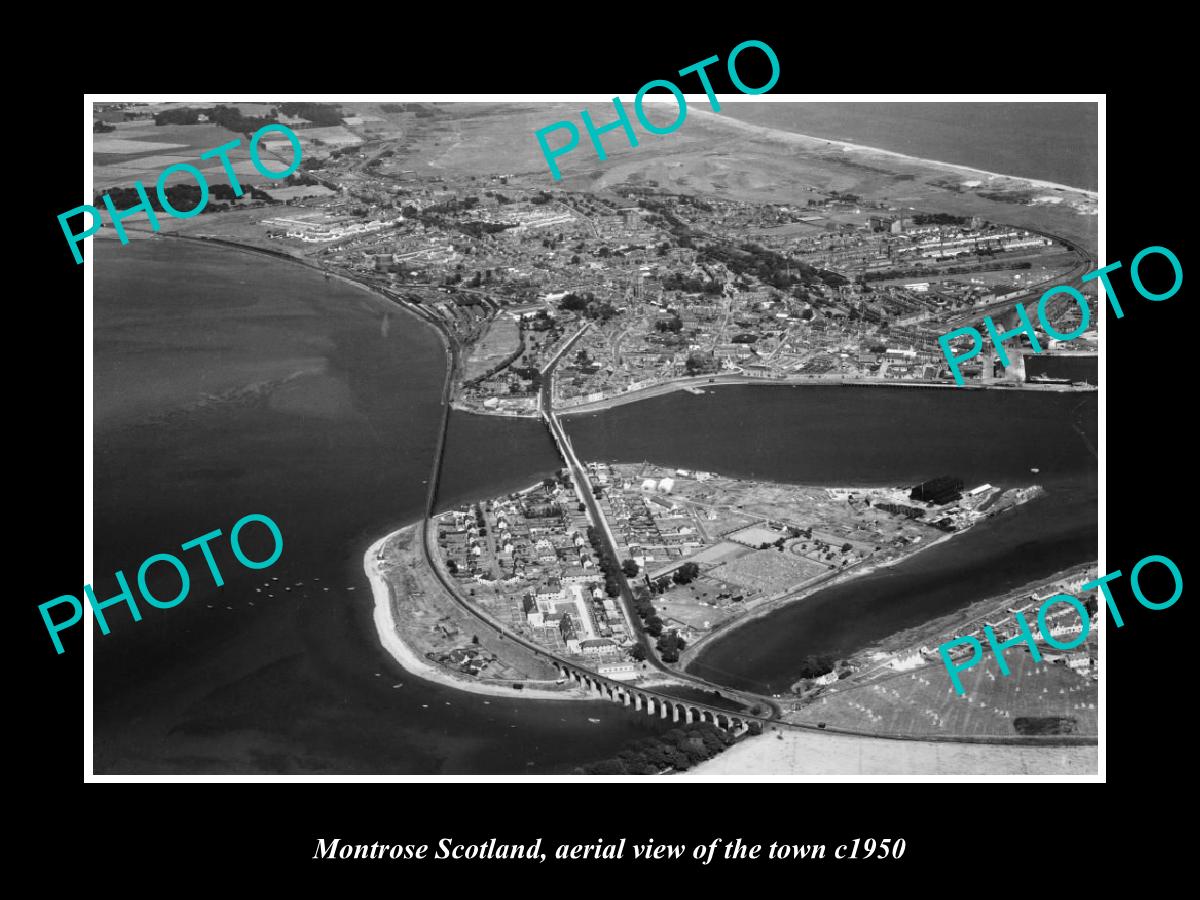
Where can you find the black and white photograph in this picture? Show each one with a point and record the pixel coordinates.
(686, 436)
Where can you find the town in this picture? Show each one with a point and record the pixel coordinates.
(651, 288)
(565, 300)
(697, 549)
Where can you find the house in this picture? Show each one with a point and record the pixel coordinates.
(618, 670)
(549, 591)
(597, 647)
(579, 575)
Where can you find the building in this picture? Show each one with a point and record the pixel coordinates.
(939, 491)
(549, 591)
(619, 670)
(598, 647)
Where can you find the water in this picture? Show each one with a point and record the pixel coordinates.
(227, 384)
(490, 456)
(1054, 142)
(875, 436)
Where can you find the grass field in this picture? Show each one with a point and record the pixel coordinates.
(500, 339)
(141, 153)
(769, 571)
(924, 702)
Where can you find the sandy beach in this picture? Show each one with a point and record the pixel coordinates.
(810, 142)
(417, 665)
(791, 752)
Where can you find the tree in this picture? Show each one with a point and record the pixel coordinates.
(638, 652)
(673, 324)
(700, 362)
(669, 646)
(816, 665)
(630, 568)
(685, 573)
(847, 547)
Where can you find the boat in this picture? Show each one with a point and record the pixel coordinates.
(593, 720)
(1046, 379)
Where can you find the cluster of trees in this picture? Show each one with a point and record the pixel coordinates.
(324, 114)
(689, 284)
(768, 266)
(181, 197)
(608, 563)
(939, 219)
(453, 205)
(686, 573)
(745, 338)
(541, 321)
(673, 324)
(750, 259)
(229, 117)
(700, 362)
(479, 229)
(301, 179)
(101, 127)
(185, 115)
(680, 749)
(816, 665)
(588, 305)
(575, 302)
(670, 645)
(541, 198)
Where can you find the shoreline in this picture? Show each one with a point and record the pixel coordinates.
(805, 752)
(783, 136)
(693, 650)
(387, 626)
(388, 629)
(682, 384)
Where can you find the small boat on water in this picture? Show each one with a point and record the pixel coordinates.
(1035, 471)
(593, 720)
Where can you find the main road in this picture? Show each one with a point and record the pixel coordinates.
(583, 490)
